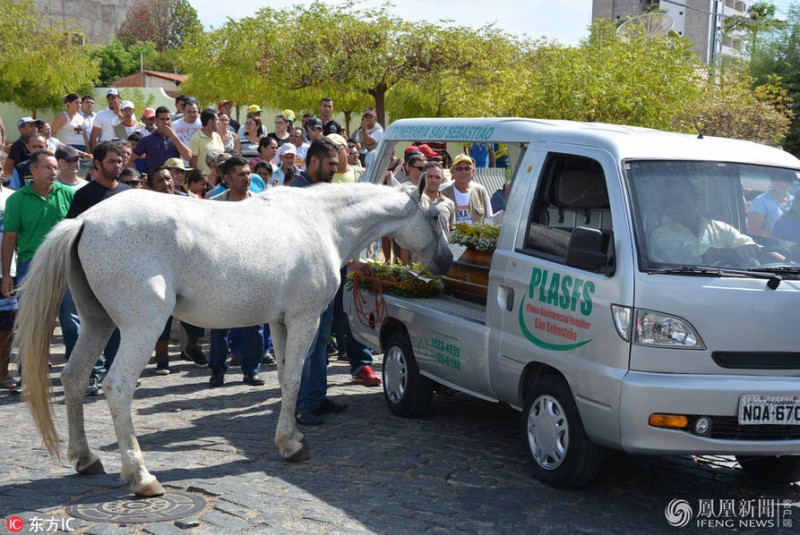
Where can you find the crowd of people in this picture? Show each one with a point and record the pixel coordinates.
(205, 154)
(61, 169)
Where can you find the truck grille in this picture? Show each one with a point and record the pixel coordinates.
(728, 428)
(757, 361)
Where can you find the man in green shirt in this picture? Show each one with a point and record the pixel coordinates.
(30, 214)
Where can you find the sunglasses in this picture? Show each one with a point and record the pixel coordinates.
(131, 182)
(461, 169)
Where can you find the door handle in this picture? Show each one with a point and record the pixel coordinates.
(505, 297)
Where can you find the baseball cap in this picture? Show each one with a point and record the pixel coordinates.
(338, 139)
(314, 122)
(112, 91)
(222, 103)
(371, 112)
(24, 121)
(176, 163)
(424, 149)
(148, 113)
(67, 152)
(289, 114)
(287, 148)
(127, 104)
(253, 108)
(462, 158)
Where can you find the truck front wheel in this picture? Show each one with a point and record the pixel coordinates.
(408, 393)
(777, 470)
(559, 449)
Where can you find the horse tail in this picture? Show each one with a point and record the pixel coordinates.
(42, 292)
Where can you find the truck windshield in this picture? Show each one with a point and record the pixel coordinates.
(694, 214)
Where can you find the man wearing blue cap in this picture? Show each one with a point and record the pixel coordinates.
(19, 149)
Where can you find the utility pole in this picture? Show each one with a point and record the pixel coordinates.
(714, 38)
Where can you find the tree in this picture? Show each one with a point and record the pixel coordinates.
(640, 81)
(728, 107)
(165, 23)
(38, 62)
(760, 18)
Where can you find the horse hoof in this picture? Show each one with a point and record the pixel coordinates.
(149, 490)
(303, 454)
(95, 468)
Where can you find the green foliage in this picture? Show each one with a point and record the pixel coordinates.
(165, 23)
(728, 107)
(779, 54)
(39, 63)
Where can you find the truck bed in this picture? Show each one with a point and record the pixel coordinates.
(446, 304)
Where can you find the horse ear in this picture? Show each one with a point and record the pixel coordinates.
(410, 189)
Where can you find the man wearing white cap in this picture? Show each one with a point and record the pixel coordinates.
(288, 169)
(103, 126)
(128, 124)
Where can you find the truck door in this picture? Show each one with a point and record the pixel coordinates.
(556, 313)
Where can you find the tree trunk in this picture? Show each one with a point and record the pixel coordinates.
(379, 94)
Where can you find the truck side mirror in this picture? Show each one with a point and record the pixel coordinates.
(585, 249)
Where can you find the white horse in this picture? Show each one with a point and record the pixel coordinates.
(138, 257)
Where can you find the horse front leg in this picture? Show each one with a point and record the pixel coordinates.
(299, 337)
(75, 378)
(119, 385)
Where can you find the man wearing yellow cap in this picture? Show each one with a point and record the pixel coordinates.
(471, 199)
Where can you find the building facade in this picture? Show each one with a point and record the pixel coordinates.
(98, 20)
(699, 20)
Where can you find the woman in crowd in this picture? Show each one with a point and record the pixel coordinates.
(69, 126)
(281, 134)
(229, 138)
(251, 138)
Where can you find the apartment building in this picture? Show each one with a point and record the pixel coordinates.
(699, 20)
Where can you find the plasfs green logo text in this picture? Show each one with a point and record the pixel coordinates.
(560, 290)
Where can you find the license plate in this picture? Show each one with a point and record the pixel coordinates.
(756, 409)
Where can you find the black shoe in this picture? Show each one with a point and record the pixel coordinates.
(330, 407)
(332, 350)
(306, 418)
(268, 359)
(162, 364)
(252, 379)
(16, 391)
(217, 378)
(195, 354)
(236, 360)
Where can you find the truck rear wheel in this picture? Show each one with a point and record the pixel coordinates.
(560, 452)
(408, 393)
(778, 470)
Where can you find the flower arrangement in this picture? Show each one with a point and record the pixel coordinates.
(402, 281)
(480, 237)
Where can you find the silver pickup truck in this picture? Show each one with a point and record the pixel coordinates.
(631, 303)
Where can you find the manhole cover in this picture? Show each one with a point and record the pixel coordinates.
(122, 507)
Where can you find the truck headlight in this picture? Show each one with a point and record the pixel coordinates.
(663, 330)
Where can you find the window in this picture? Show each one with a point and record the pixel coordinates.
(571, 193)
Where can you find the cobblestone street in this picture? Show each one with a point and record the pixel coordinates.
(462, 470)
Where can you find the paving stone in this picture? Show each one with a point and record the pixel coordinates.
(461, 470)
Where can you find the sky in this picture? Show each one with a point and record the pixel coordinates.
(564, 20)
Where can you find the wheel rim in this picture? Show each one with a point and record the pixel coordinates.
(548, 432)
(395, 374)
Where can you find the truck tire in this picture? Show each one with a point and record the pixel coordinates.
(408, 393)
(776, 470)
(560, 452)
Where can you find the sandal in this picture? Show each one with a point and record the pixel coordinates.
(9, 384)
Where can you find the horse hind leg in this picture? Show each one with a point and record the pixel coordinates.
(75, 377)
(135, 347)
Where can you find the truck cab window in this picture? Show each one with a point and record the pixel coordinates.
(572, 193)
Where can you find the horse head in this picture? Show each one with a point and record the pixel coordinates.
(423, 235)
